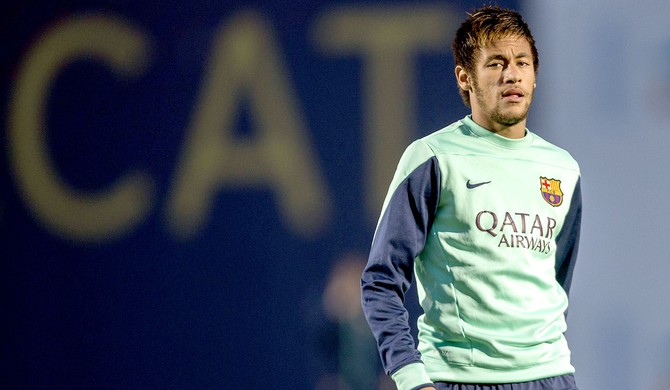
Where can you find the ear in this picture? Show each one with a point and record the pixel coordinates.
(463, 78)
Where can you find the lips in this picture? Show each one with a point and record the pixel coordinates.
(513, 95)
(513, 92)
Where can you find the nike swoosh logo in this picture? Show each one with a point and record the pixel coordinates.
(475, 185)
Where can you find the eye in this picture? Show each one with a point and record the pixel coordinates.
(494, 65)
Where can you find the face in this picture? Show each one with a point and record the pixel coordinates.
(501, 88)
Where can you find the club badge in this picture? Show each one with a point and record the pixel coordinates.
(551, 191)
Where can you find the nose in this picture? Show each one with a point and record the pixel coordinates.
(511, 75)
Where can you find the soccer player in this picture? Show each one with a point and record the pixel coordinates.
(485, 216)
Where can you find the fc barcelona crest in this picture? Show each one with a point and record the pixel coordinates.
(551, 191)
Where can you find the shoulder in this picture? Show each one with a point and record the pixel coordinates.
(431, 144)
(448, 138)
(418, 153)
(455, 130)
(430, 147)
(554, 154)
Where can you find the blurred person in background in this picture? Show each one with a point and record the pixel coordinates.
(346, 343)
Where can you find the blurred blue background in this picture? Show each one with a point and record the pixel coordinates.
(189, 190)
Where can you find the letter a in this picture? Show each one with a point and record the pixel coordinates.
(246, 68)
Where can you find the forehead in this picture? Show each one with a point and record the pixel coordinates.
(512, 46)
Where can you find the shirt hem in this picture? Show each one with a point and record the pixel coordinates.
(474, 374)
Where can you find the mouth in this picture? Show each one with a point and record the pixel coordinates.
(513, 94)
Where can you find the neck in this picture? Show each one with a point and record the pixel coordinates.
(515, 131)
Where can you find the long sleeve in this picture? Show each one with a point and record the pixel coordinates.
(567, 242)
(400, 236)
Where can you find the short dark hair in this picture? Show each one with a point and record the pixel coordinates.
(483, 26)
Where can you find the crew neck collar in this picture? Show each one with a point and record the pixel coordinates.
(489, 136)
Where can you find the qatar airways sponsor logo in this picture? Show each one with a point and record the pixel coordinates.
(518, 230)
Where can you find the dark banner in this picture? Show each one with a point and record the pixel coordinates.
(189, 190)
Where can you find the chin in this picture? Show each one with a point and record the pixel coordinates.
(510, 119)
(514, 115)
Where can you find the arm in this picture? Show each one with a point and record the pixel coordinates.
(400, 237)
(567, 242)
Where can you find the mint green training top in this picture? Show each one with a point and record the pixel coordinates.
(489, 227)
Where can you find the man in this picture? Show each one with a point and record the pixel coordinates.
(485, 215)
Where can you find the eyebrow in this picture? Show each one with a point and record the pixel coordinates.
(502, 57)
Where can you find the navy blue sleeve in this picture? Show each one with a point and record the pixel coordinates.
(400, 237)
(567, 242)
